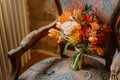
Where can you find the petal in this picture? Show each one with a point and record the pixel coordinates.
(60, 39)
(100, 51)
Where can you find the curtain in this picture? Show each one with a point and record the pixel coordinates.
(14, 26)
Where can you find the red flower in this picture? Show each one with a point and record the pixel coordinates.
(87, 18)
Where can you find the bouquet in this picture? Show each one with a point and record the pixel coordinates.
(83, 30)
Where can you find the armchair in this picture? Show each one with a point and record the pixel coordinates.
(58, 68)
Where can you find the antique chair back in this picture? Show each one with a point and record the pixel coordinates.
(117, 30)
(115, 23)
(56, 68)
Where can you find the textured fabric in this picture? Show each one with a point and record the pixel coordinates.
(103, 8)
(60, 69)
(34, 71)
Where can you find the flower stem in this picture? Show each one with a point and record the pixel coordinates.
(75, 65)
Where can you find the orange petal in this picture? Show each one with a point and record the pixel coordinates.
(53, 33)
(100, 51)
(95, 25)
(52, 30)
(60, 39)
(57, 26)
(78, 27)
(50, 35)
(68, 14)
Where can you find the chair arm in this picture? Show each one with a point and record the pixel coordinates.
(115, 67)
(15, 54)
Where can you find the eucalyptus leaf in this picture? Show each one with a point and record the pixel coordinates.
(90, 12)
(87, 7)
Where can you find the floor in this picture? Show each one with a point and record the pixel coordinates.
(36, 55)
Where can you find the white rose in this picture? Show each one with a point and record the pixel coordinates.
(66, 27)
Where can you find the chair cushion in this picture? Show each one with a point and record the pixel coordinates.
(55, 68)
(34, 71)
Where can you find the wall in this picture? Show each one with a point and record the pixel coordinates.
(43, 12)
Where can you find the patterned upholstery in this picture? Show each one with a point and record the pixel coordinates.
(39, 68)
(103, 8)
(60, 69)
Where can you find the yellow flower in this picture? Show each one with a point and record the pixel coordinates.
(78, 27)
(75, 37)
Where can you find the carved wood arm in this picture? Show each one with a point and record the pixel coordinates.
(15, 54)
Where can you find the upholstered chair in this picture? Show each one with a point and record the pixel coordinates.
(58, 68)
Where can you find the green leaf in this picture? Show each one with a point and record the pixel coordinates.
(84, 47)
(90, 12)
(66, 46)
(87, 7)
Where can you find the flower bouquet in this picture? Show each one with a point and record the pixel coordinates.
(83, 30)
